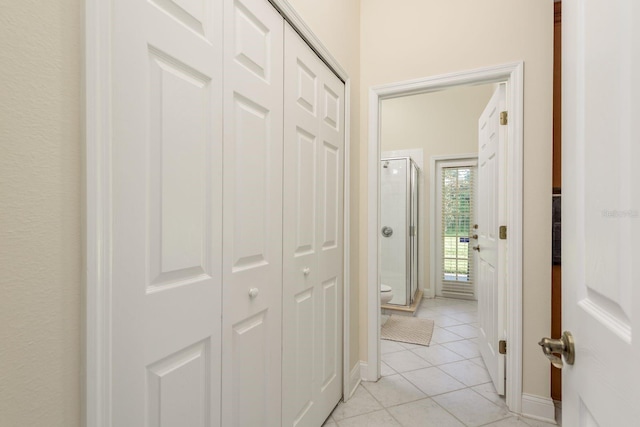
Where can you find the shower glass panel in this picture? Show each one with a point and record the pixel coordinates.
(399, 228)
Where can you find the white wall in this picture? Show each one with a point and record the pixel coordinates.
(40, 213)
(418, 38)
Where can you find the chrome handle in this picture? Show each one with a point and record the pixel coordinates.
(387, 231)
(476, 248)
(306, 271)
(558, 349)
(253, 292)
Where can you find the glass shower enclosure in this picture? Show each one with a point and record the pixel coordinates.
(399, 228)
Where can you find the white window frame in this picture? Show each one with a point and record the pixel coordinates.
(438, 163)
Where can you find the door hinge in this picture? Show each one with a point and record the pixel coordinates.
(503, 232)
(502, 347)
(504, 117)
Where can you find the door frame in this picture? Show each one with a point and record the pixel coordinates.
(435, 212)
(513, 74)
(98, 204)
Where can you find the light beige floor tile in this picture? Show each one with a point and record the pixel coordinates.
(478, 361)
(393, 390)
(386, 370)
(374, 419)
(423, 413)
(437, 354)
(466, 372)
(360, 403)
(403, 361)
(465, 331)
(466, 348)
(488, 391)
(536, 423)
(471, 408)
(387, 346)
(466, 317)
(409, 346)
(433, 381)
(441, 336)
(444, 321)
(508, 422)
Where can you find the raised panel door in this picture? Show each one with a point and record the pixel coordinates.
(252, 259)
(312, 261)
(166, 190)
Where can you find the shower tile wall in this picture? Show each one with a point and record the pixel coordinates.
(393, 213)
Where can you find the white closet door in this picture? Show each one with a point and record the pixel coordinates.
(166, 186)
(252, 259)
(313, 250)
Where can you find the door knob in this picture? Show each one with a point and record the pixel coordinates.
(557, 349)
(387, 231)
(476, 248)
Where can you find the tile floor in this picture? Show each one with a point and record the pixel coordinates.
(443, 385)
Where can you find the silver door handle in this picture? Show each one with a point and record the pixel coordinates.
(558, 349)
(387, 231)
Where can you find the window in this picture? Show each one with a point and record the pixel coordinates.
(457, 222)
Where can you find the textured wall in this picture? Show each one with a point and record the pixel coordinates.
(419, 38)
(40, 214)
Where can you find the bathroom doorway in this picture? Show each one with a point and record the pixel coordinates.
(384, 108)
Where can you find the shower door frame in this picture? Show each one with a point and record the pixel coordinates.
(410, 279)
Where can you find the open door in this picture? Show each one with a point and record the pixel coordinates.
(490, 249)
(601, 209)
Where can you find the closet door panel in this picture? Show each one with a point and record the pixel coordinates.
(252, 258)
(312, 336)
(330, 232)
(164, 286)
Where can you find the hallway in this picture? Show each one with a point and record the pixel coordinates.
(443, 385)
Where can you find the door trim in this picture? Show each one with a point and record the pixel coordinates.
(435, 195)
(513, 74)
(98, 203)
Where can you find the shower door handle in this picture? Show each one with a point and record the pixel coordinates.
(387, 231)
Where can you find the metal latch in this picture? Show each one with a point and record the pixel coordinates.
(503, 232)
(502, 347)
(504, 118)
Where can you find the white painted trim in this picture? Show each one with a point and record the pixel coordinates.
(354, 380)
(435, 259)
(513, 73)
(538, 408)
(98, 213)
(347, 383)
(364, 371)
(97, 75)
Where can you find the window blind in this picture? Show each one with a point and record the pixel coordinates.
(458, 186)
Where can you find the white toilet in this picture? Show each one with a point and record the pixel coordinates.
(386, 294)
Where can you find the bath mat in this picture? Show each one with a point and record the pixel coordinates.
(412, 330)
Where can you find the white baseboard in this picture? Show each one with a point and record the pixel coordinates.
(354, 380)
(364, 371)
(539, 408)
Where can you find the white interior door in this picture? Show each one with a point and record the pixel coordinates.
(166, 186)
(491, 199)
(313, 249)
(601, 211)
(252, 259)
